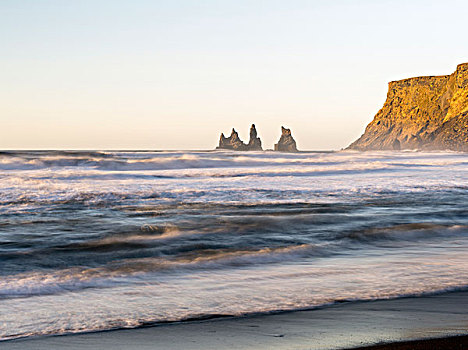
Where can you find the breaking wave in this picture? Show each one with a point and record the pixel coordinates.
(153, 161)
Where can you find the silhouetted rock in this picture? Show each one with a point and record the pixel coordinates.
(255, 144)
(232, 142)
(421, 113)
(286, 142)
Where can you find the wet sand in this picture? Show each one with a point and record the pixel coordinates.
(342, 326)
(459, 342)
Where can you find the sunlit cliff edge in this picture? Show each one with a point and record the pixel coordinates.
(428, 113)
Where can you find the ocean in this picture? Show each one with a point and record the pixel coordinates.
(99, 240)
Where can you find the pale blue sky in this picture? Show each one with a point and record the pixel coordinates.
(175, 74)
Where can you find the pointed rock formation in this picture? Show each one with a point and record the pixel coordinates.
(255, 144)
(286, 142)
(232, 142)
(421, 113)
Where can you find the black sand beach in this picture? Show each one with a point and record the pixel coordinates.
(380, 324)
(459, 342)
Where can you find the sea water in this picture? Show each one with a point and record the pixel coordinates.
(102, 240)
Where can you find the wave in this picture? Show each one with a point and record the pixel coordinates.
(206, 255)
(148, 237)
(135, 323)
(155, 161)
(48, 195)
(414, 232)
(133, 271)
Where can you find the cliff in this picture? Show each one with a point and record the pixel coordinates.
(421, 113)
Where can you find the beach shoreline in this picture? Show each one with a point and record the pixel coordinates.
(457, 342)
(383, 324)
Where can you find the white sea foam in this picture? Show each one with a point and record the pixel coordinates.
(205, 175)
(235, 292)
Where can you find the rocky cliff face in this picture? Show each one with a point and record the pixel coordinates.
(421, 113)
(233, 142)
(286, 142)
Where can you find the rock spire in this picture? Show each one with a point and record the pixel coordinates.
(255, 144)
(233, 142)
(286, 142)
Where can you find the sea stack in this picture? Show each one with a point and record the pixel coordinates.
(426, 113)
(232, 142)
(286, 142)
(255, 144)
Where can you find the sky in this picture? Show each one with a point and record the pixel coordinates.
(174, 74)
